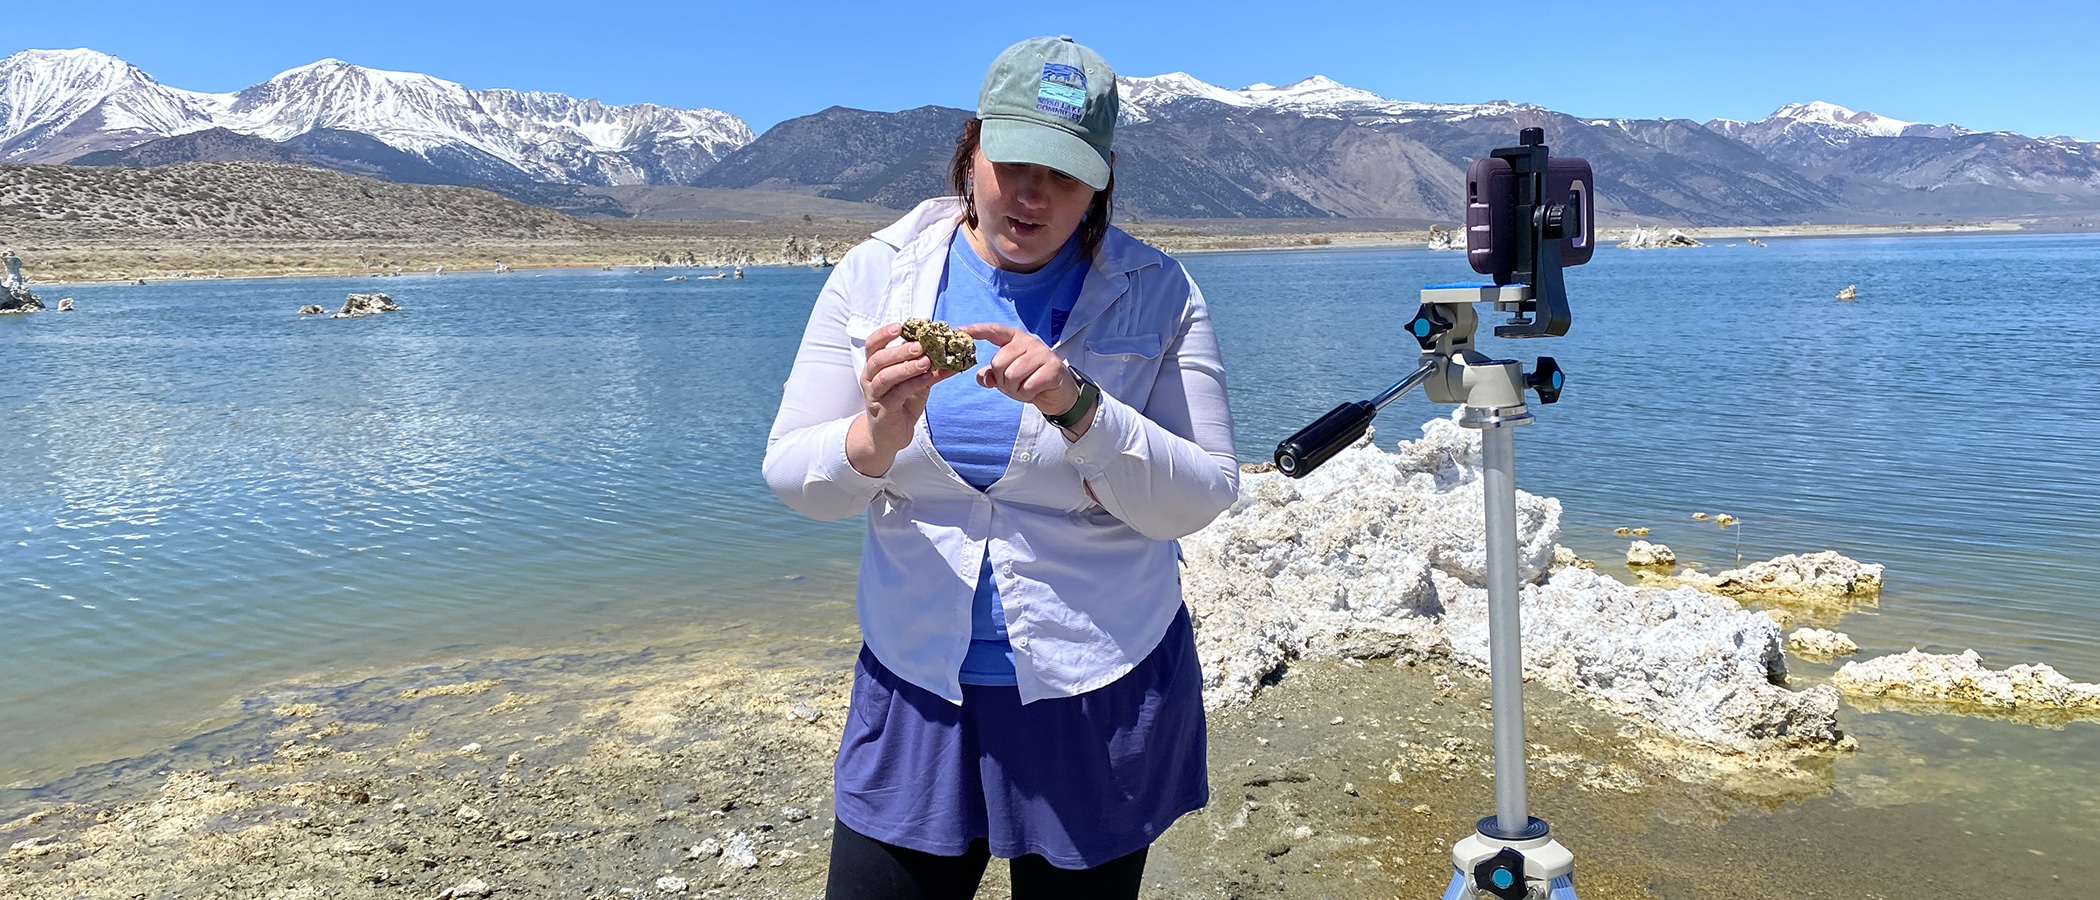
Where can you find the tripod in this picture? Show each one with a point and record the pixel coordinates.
(1511, 855)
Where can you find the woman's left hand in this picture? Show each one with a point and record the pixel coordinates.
(1026, 369)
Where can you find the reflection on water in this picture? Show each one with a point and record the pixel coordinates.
(216, 492)
(204, 493)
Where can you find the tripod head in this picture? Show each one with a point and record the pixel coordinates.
(1528, 216)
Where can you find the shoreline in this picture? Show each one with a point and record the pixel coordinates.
(704, 760)
(145, 257)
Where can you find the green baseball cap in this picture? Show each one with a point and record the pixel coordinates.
(1050, 102)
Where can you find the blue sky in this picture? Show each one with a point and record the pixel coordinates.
(2026, 67)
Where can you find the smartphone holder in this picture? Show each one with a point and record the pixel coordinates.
(1527, 218)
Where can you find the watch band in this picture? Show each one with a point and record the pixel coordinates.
(1081, 408)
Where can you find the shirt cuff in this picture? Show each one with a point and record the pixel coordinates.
(832, 465)
(1104, 437)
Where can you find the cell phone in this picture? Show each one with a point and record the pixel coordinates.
(1492, 233)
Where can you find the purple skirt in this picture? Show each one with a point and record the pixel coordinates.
(1078, 780)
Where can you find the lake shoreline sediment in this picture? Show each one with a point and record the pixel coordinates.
(706, 763)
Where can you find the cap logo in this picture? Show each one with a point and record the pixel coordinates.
(1062, 92)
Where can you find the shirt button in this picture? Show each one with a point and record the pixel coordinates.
(1006, 568)
(1079, 459)
(1024, 456)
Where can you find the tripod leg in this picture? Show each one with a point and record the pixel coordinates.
(1457, 890)
(1563, 888)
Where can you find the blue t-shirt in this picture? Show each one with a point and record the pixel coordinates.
(974, 427)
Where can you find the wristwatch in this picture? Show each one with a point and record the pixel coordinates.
(1083, 407)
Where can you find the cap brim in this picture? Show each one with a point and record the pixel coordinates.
(1021, 141)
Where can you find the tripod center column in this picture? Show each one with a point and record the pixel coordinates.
(1505, 631)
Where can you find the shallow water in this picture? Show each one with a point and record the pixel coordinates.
(205, 494)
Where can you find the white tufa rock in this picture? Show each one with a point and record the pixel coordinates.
(740, 852)
(1642, 553)
(1382, 552)
(1940, 677)
(1827, 575)
(671, 884)
(1341, 562)
(466, 890)
(1820, 643)
(1655, 239)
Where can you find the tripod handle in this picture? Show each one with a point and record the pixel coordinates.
(1314, 444)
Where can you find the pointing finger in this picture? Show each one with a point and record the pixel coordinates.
(991, 331)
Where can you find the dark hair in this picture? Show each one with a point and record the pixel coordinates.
(1091, 229)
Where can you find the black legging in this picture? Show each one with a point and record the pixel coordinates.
(863, 868)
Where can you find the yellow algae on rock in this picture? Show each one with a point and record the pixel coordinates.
(1805, 576)
(1818, 643)
(1647, 555)
(1964, 680)
(947, 349)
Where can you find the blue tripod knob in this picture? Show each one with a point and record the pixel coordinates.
(1547, 380)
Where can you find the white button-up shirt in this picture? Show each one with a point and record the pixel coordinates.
(1080, 534)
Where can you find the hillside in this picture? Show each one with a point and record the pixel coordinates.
(239, 219)
(256, 201)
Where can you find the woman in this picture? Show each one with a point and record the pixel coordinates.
(1028, 686)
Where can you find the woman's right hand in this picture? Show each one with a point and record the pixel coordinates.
(893, 384)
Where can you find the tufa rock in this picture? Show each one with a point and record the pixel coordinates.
(466, 890)
(366, 304)
(1382, 553)
(1645, 554)
(947, 349)
(1816, 642)
(311, 309)
(1945, 678)
(740, 852)
(1655, 238)
(1826, 575)
(65, 304)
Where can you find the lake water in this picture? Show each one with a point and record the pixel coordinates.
(202, 494)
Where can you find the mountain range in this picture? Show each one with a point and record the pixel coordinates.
(59, 105)
(1186, 149)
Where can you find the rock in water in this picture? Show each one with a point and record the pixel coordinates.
(366, 304)
(311, 309)
(949, 350)
(1380, 553)
(1816, 642)
(1945, 678)
(1827, 575)
(1652, 239)
(65, 304)
(14, 289)
(1645, 554)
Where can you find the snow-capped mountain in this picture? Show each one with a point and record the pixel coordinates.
(1814, 133)
(1833, 142)
(1147, 98)
(56, 105)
